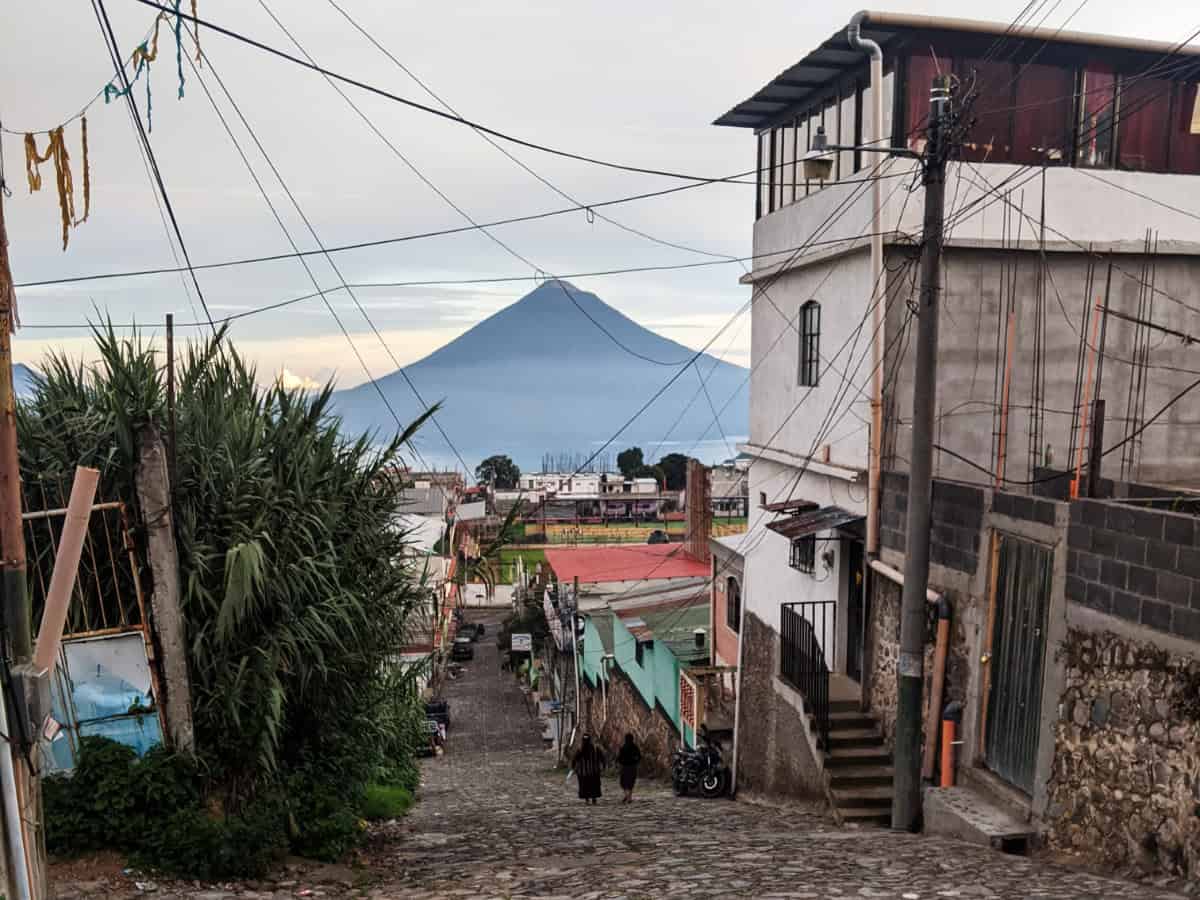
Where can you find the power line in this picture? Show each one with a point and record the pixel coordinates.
(461, 281)
(110, 42)
(429, 410)
(519, 162)
(458, 209)
(259, 45)
(362, 245)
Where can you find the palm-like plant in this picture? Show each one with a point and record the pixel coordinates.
(296, 591)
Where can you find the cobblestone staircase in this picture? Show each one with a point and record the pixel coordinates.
(859, 765)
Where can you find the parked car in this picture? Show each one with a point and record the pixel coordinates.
(480, 630)
(658, 536)
(462, 649)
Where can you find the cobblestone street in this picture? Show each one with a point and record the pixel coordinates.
(496, 819)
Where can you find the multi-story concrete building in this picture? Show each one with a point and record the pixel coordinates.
(1071, 275)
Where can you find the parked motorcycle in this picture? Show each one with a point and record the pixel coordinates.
(702, 769)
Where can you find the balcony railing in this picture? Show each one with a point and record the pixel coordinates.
(803, 628)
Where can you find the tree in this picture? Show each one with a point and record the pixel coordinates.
(629, 461)
(674, 467)
(498, 471)
(654, 472)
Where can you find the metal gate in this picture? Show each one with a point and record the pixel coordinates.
(1021, 597)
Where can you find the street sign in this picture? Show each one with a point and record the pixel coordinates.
(522, 643)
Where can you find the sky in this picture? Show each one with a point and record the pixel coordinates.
(625, 81)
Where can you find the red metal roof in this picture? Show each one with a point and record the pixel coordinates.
(636, 562)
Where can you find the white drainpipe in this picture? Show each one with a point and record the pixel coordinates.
(878, 281)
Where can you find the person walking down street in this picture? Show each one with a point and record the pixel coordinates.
(629, 756)
(588, 763)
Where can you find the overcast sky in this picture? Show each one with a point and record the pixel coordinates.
(633, 82)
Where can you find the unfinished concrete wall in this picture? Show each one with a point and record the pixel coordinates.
(1125, 785)
(978, 284)
(775, 753)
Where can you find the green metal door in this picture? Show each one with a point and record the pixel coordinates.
(1024, 572)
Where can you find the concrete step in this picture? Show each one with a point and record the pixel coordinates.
(855, 737)
(965, 814)
(866, 815)
(855, 775)
(857, 756)
(840, 721)
(836, 706)
(864, 797)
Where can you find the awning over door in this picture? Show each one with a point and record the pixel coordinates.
(806, 523)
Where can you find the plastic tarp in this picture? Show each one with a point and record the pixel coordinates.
(102, 687)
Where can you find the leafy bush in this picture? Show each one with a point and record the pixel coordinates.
(296, 590)
(151, 808)
(386, 801)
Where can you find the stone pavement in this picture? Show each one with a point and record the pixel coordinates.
(495, 819)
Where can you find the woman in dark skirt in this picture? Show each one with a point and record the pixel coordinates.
(588, 763)
(629, 757)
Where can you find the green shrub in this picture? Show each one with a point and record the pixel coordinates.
(151, 808)
(386, 801)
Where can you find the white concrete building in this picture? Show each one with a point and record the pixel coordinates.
(1081, 154)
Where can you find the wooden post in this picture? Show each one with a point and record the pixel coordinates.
(66, 567)
(171, 471)
(17, 615)
(1096, 448)
(170, 631)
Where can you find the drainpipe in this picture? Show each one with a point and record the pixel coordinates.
(878, 282)
(737, 699)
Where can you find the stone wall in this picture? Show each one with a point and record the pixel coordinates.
(1125, 785)
(884, 641)
(1142, 565)
(774, 749)
(628, 713)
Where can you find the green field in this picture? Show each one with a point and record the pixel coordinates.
(508, 558)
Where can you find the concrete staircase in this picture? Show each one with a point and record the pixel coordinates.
(858, 763)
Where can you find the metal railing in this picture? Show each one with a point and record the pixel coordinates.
(804, 627)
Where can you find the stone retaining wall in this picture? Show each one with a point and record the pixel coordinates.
(884, 642)
(1125, 785)
(628, 713)
(774, 753)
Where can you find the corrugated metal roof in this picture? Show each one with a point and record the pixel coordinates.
(789, 506)
(811, 522)
(793, 86)
(835, 58)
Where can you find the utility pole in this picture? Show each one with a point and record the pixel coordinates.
(906, 804)
(171, 399)
(21, 794)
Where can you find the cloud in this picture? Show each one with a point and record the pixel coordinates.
(291, 381)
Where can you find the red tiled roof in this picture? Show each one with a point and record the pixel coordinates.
(636, 562)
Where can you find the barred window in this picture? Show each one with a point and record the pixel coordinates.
(804, 554)
(810, 344)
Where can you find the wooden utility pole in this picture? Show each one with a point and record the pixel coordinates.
(27, 874)
(906, 804)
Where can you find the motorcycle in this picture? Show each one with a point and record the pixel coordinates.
(701, 769)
